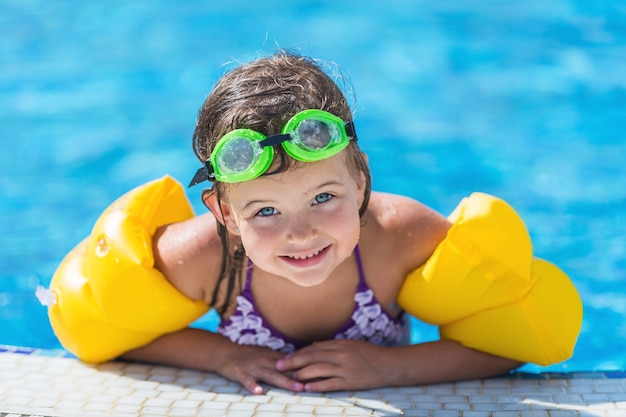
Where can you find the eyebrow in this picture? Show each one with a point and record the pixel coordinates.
(254, 202)
(327, 183)
(323, 185)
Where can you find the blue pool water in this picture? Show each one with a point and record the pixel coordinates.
(525, 101)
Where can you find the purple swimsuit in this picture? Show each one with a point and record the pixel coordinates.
(369, 321)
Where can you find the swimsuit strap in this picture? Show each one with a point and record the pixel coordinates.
(357, 254)
(247, 289)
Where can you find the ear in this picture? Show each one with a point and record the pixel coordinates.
(221, 210)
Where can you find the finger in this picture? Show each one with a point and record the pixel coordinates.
(325, 385)
(317, 371)
(305, 357)
(250, 381)
(251, 385)
(282, 381)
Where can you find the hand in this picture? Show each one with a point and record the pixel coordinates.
(250, 365)
(338, 365)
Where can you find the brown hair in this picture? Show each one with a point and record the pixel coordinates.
(262, 95)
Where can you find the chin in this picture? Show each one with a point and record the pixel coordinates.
(305, 283)
(309, 278)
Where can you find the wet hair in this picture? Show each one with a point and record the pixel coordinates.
(263, 95)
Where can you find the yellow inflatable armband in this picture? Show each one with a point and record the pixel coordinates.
(109, 297)
(485, 290)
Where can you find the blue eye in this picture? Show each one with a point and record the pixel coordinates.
(322, 198)
(267, 211)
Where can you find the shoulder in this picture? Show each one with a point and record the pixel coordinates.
(189, 254)
(398, 235)
(410, 229)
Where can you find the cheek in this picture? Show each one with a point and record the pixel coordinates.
(345, 223)
(257, 239)
(260, 247)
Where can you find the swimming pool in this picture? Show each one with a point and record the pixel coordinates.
(524, 101)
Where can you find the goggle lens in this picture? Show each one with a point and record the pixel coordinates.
(315, 135)
(237, 156)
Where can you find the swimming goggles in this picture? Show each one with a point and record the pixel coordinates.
(245, 154)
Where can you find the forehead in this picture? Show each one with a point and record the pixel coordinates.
(298, 176)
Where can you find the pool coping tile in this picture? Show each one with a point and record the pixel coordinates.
(53, 383)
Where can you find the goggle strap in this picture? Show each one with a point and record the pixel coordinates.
(199, 177)
(202, 174)
(274, 140)
(350, 130)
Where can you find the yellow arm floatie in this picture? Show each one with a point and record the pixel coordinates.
(109, 296)
(484, 289)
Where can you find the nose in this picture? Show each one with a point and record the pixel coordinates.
(301, 228)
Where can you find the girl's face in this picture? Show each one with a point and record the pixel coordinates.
(300, 224)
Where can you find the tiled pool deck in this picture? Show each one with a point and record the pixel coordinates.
(52, 383)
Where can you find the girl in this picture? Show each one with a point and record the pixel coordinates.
(300, 258)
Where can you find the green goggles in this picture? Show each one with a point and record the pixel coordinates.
(245, 154)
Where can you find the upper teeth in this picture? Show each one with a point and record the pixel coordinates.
(307, 256)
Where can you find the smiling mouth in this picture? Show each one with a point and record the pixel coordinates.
(310, 256)
(305, 257)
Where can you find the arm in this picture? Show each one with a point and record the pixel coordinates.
(202, 350)
(443, 361)
(351, 365)
(189, 254)
(207, 351)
